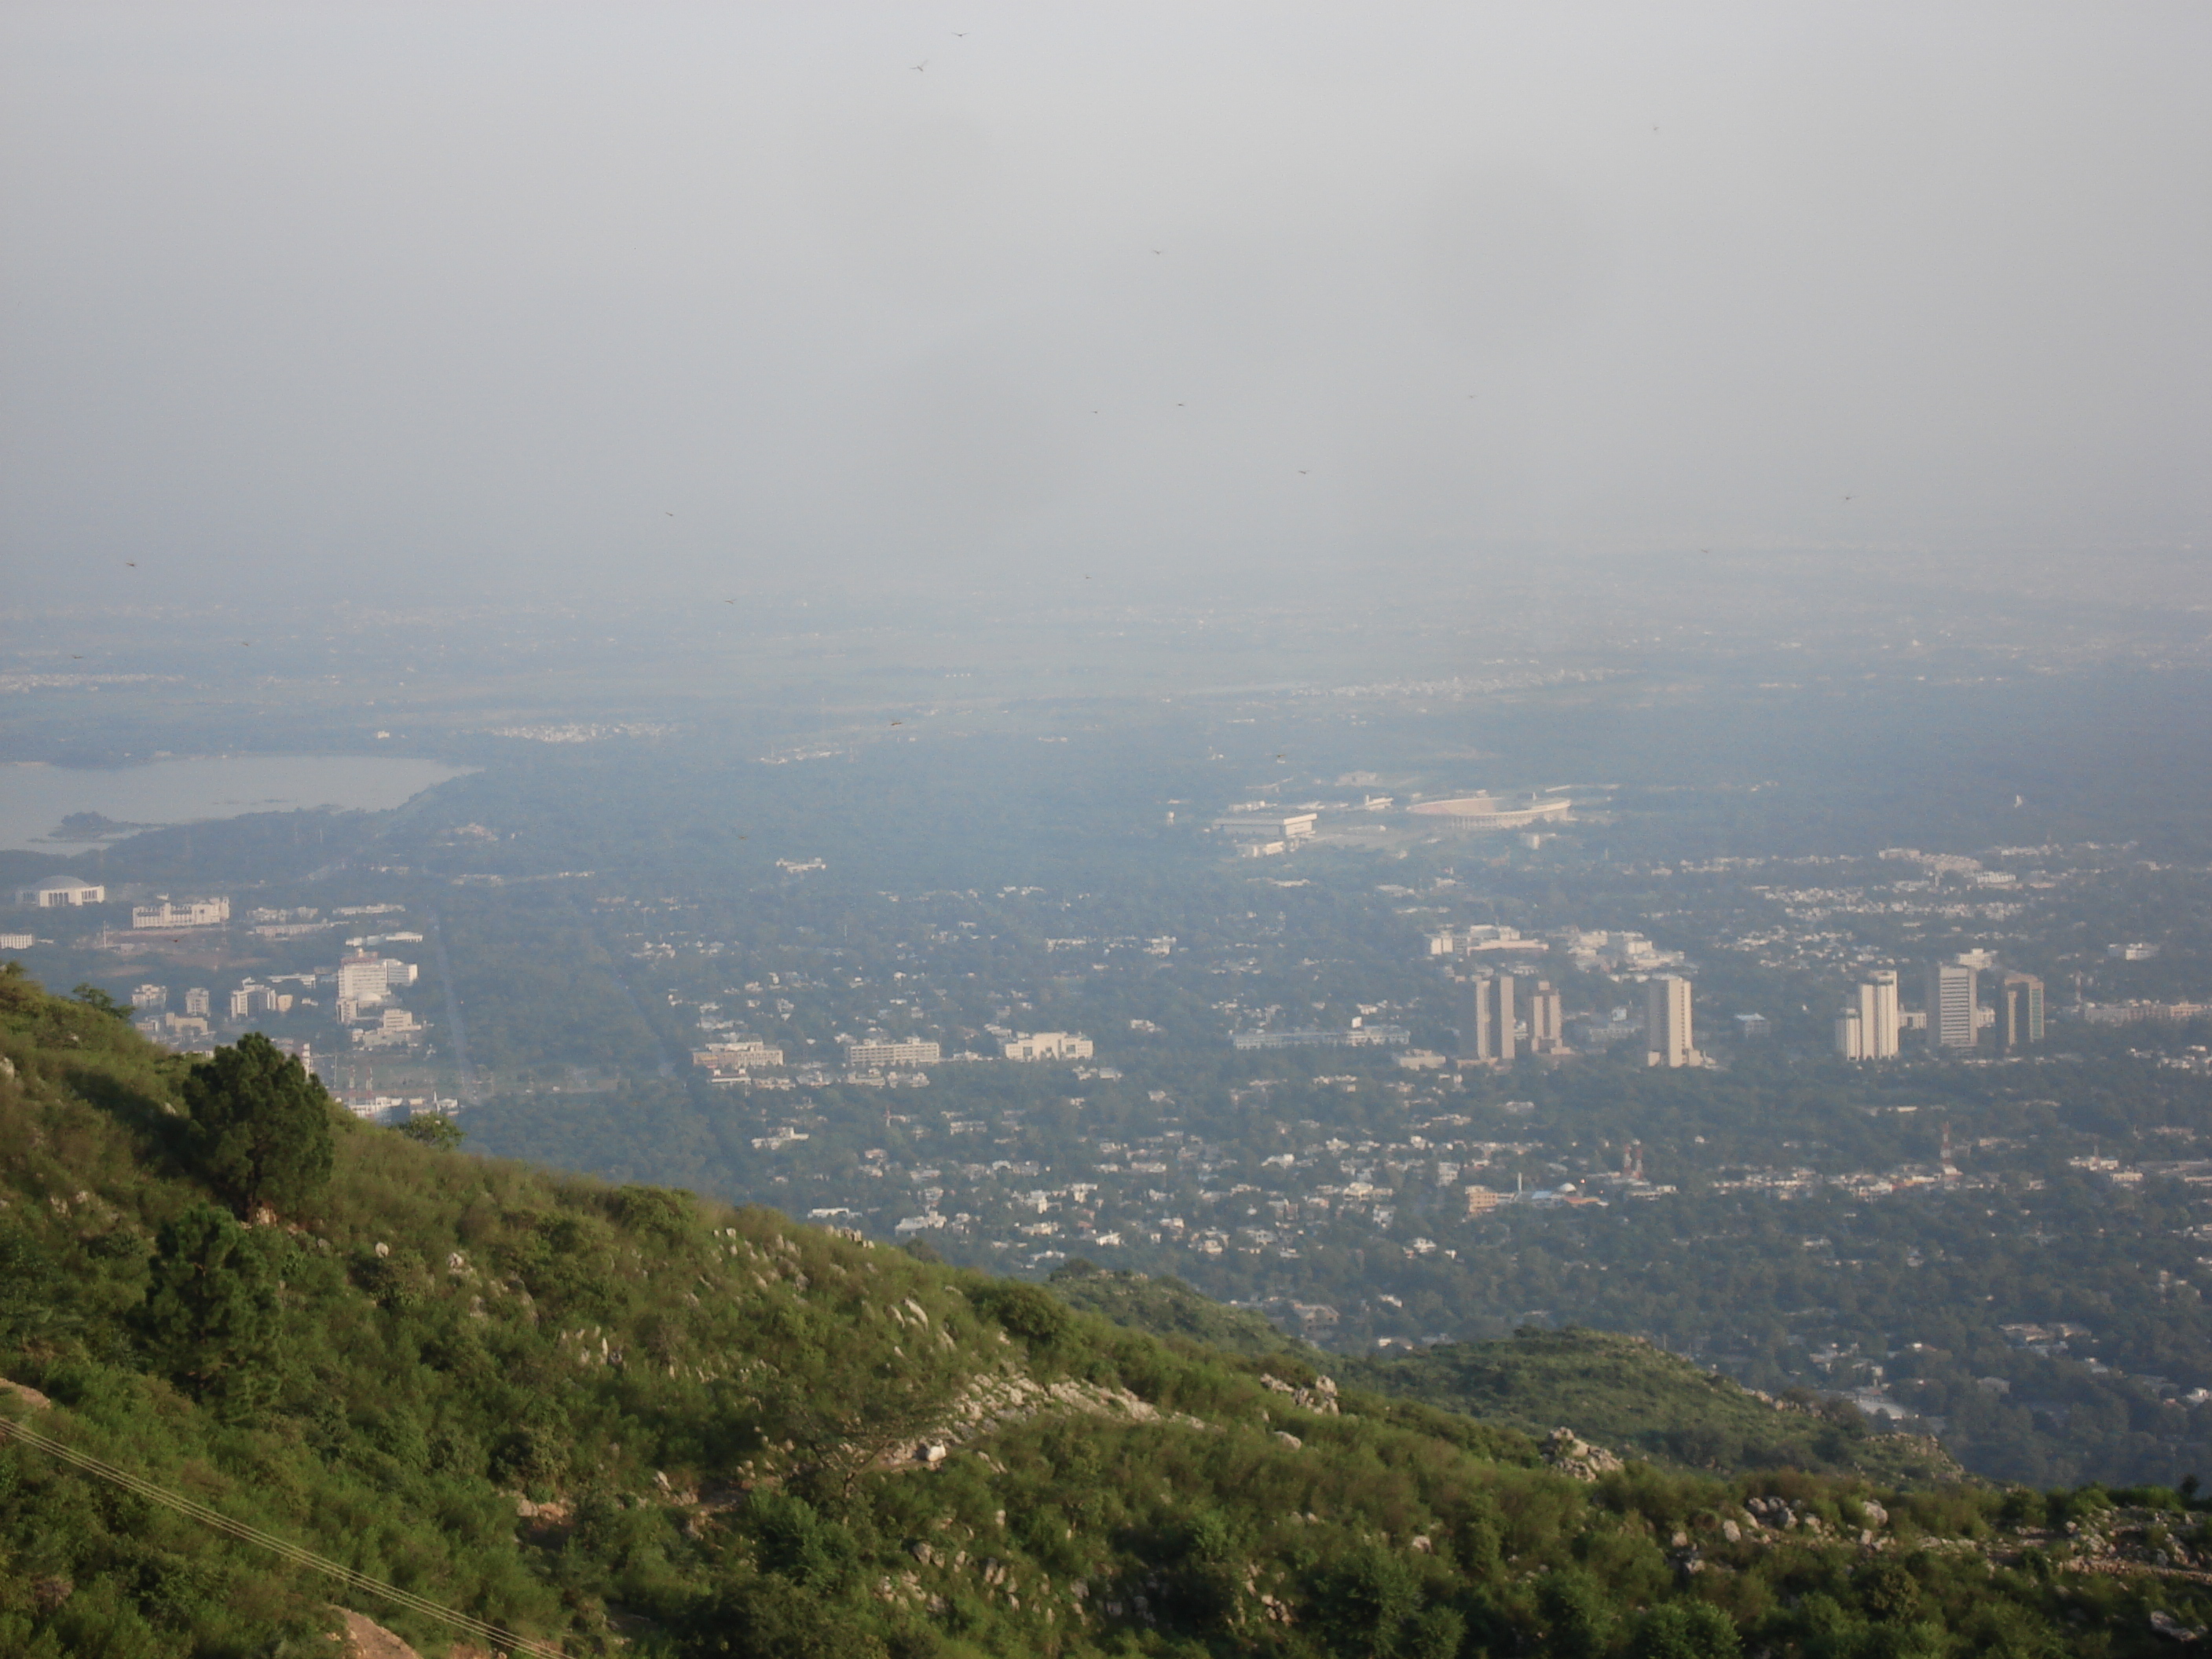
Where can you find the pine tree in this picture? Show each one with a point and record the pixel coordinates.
(261, 1127)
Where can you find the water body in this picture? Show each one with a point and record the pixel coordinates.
(34, 798)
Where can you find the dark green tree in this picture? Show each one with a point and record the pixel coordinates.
(28, 1280)
(261, 1127)
(1577, 1617)
(209, 1316)
(1366, 1600)
(431, 1130)
(771, 1618)
(1685, 1629)
(93, 997)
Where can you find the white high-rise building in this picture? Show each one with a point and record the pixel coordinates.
(1868, 1027)
(1487, 1019)
(1951, 1005)
(1878, 1004)
(1667, 1038)
(362, 979)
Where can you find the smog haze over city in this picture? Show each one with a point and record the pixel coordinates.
(1462, 676)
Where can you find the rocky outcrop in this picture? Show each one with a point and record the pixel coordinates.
(365, 1638)
(1567, 1453)
(999, 1401)
(1320, 1398)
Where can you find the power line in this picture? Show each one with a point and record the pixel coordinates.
(347, 1576)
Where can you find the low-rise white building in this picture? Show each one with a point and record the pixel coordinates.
(57, 892)
(731, 1061)
(192, 912)
(913, 1052)
(1047, 1045)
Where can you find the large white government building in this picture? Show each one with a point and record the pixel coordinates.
(1482, 812)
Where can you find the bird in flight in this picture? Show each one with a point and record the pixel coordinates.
(1156, 250)
(1302, 472)
(899, 722)
(959, 34)
(922, 66)
(133, 563)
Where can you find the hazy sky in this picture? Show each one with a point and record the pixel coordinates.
(396, 300)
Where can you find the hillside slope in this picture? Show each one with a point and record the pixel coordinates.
(618, 1419)
(1619, 1390)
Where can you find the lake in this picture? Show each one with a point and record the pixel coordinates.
(35, 797)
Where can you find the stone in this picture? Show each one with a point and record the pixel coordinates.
(23, 1391)
(1570, 1454)
(365, 1638)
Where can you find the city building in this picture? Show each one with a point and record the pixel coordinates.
(1480, 812)
(1668, 1039)
(2018, 1020)
(1951, 1005)
(1481, 1200)
(1547, 1026)
(1877, 1002)
(1046, 1045)
(1481, 938)
(1360, 1036)
(57, 892)
(910, 1052)
(1868, 1027)
(196, 1001)
(149, 996)
(1595, 1032)
(2127, 1013)
(192, 912)
(362, 978)
(253, 998)
(744, 1056)
(1266, 827)
(1487, 1019)
(17, 941)
(1751, 1026)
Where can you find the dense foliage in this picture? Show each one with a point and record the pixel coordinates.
(595, 1413)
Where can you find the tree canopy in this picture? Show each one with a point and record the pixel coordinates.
(261, 1126)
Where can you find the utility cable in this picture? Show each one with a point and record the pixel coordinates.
(466, 1623)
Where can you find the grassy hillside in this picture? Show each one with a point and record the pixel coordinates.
(1644, 1402)
(1618, 1391)
(617, 1419)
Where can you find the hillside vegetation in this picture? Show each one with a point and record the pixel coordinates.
(1620, 1390)
(617, 1419)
